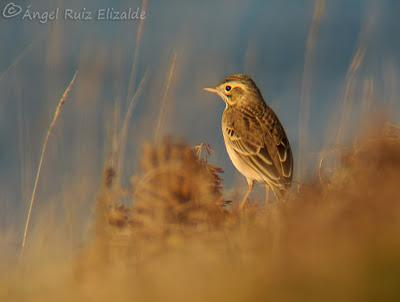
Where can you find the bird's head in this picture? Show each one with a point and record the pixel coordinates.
(237, 89)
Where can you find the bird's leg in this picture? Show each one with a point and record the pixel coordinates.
(266, 194)
(250, 184)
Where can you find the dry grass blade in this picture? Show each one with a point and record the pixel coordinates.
(42, 156)
(139, 35)
(115, 134)
(368, 96)
(323, 158)
(19, 58)
(124, 130)
(164, 99)
(307, 83)
(351, 79)
(350, 83)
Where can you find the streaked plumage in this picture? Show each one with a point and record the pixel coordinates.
(254, 137)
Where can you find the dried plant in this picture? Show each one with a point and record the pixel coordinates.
(53, 123)
(307, 85)
(170, 77)
(176, 191)
(170, 236)
(176, 209)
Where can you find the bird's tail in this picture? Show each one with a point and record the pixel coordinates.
(279, 190)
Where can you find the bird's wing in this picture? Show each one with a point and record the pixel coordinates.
(253, 151)
(278, 145)
(284, 153)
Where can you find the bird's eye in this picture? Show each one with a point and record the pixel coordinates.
(228, 88)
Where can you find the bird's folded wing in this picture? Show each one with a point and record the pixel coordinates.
(278, 145)
(254, 153)
(285, 158)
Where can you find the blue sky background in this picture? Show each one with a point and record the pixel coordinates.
(211, 39)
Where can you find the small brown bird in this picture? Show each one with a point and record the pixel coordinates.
(254, 137)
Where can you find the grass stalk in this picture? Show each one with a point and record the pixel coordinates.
(53, 123)
(307, 84)
(124, 130)
(19, 58)
(161, 115)
(138, 41)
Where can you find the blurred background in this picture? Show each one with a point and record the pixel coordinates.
(301, 56)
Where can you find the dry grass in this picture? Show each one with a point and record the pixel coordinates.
(177, 242)
(304, 115)
(164, 99)
(53, 123)
(171, 235)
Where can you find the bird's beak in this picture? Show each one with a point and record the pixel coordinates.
(212, 90)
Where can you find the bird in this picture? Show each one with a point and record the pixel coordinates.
(255, 139)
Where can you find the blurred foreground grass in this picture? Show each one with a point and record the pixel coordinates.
(336, 239)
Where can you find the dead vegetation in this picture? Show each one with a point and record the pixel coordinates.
(176, 240)
(171, 235)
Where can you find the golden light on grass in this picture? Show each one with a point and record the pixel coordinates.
(172, 234)
(176, 232)
(53, 123)
(304, 117)
(347, 100)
